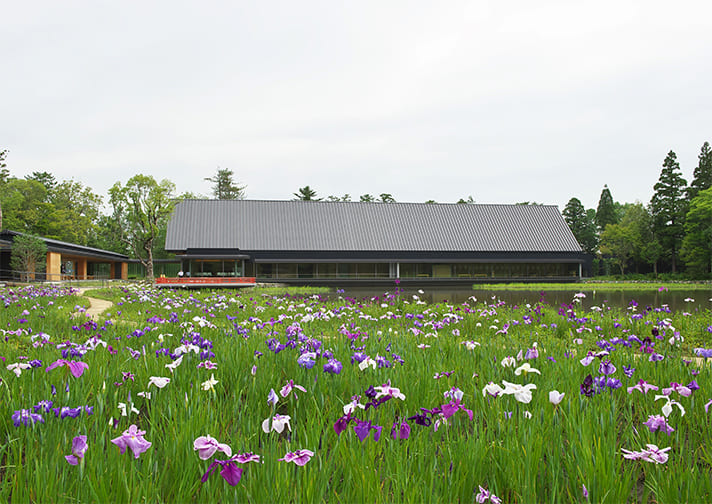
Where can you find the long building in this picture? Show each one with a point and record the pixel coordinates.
(340, 242)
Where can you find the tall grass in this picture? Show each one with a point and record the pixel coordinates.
(522, 452)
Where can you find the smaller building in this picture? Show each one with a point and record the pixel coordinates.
(66, 261)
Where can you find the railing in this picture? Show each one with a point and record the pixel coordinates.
(206, 281)
(41, 277)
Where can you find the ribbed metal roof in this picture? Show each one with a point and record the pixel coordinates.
(351, 226)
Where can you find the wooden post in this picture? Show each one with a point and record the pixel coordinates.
(54, 267)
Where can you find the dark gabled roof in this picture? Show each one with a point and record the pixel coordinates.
(349, 226)
(68, 248)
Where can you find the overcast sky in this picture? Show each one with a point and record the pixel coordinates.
(506, 101)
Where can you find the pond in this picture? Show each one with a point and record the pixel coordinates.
(677, 300)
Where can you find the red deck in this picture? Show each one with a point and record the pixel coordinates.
(206, 281)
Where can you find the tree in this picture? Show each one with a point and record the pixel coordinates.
(668, 207)
(306, 193)
(224, 187)
(28, 256)
(702, 176)
(387, 198)
(345, 197)
(431, 202)
(4, 176)
(697, 244)
(606, 210)
(44, 178)
(582, 225)
(617, 240)
(25, 206)
(141, 208)
(469, 200)
(366, 198)
(646, 248)
(74, 212)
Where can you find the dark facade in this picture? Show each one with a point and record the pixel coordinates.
(339, 242)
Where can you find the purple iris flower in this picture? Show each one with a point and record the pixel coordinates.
(705, 353)
(306, 360)
(358, 357)
(342, 424)
(400, 430)
(658, 422)
(613, 383)
(655, 357)
(76, 368)
(333, 366)
(25, 416)
(43, 405)
(272, 398)
(133, 439)
(587, 386)
(79, 448)
(397, 358)
(628, 371)
(606, 368)
(64, 412)
(382, 362)
(299, 457)
(421, 419)
(230, 472)
(362, 430)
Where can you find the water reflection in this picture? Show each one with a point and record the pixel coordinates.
(675, 300)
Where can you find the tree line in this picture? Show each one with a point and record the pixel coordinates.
(671, 234)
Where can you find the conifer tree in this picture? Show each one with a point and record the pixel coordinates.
(702, 176)
(224, 187)
(581, 224)
(668, 208)
(606, 210)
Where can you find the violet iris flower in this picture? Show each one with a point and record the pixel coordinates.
(485, 495)
(606, 368)
(658, 422)
(452, 407)
(705, 353)
(75, 367)
(643, 387)
(230, 472)
(333, 366)
(400, 431)
(628, 371)
(587, 386)
(299, 457)
(342, 423)
(207, 446)
(133, 439)
(79, 448)
(25, 416)
(362, 429)
(272, 398)
(284, 392)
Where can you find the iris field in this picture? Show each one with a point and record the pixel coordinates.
(222, 396)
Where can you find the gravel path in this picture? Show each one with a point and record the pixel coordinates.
(96, 306)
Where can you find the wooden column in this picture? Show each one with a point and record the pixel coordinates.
(54, 266)
(82, 269)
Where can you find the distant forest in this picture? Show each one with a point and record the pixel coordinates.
(671, 235)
